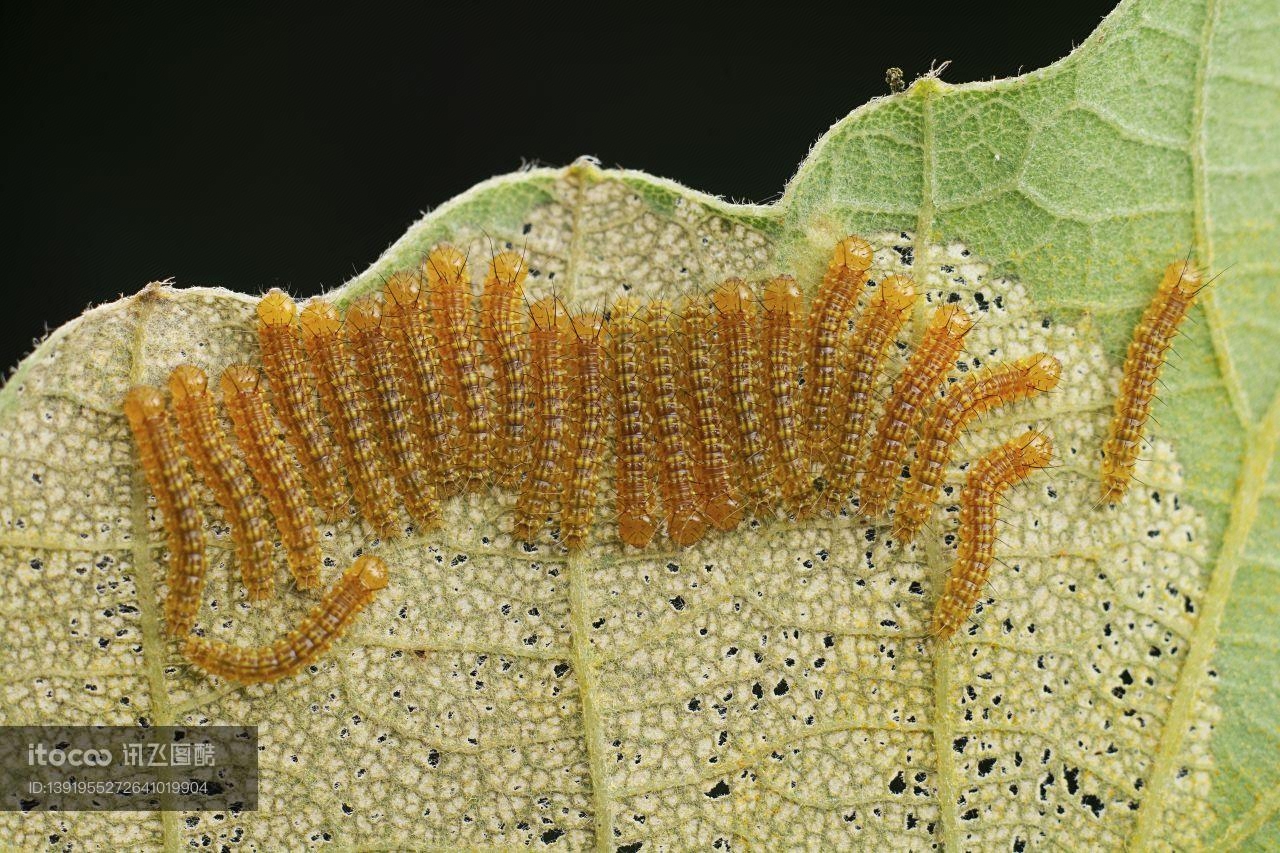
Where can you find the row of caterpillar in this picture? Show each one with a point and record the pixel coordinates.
(403, 385)
(729, 403)
(732, 404)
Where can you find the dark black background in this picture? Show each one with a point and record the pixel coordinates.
(286, 147)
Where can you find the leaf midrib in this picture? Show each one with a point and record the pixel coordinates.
(144, 569)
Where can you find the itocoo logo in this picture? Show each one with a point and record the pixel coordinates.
(40, 755)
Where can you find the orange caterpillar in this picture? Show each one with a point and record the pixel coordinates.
(912, 392)
(289, 375)
(505, 341)
(740, 361)
(783, 307)
(166, 470)
(449, 295)
(586, 446)
(713, 474)
(876, 330)
(210, 449)
(406, 321)
(1147, 351)
(255, 432)
(828, 318)
(392, 410)
(685, 523)
(311, 638)
(540, 487)
(971, 396)
(991, 476)
(322, 336)
(633, 487)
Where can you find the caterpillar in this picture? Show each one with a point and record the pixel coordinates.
(303, 645)
(633, 487)
(406, 320)
(971, 396)
(877, 327)
(991, 476)
(165, 468)
(911, 393)
(505, 341)
(361, 453)
(782, 316)
(685, 523)
(1152, 339)
(828, 318)
(713, 479)
(587, 414)
(449, 296)
(255, 432)
(740, 364)
(289, 375)
(209, 448)
(539, 488)
(392, 410)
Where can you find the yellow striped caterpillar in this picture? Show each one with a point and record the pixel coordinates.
(166, 471)
(828, 317)
(540, 488)
(210, 450)
(912, 392)
(449, 295)
(1152, 339)
(876, 330)
(504, 339)
(971, 396)
(391, 409)
(352, 424)
(292, 389)
(255, 432)
(637, 515)
(990, 477)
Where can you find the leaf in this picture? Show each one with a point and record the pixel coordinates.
(772, 687)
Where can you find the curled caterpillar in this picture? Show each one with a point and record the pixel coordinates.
(991, 476)
(311, 638)
(165, 468)
(1152, 339)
